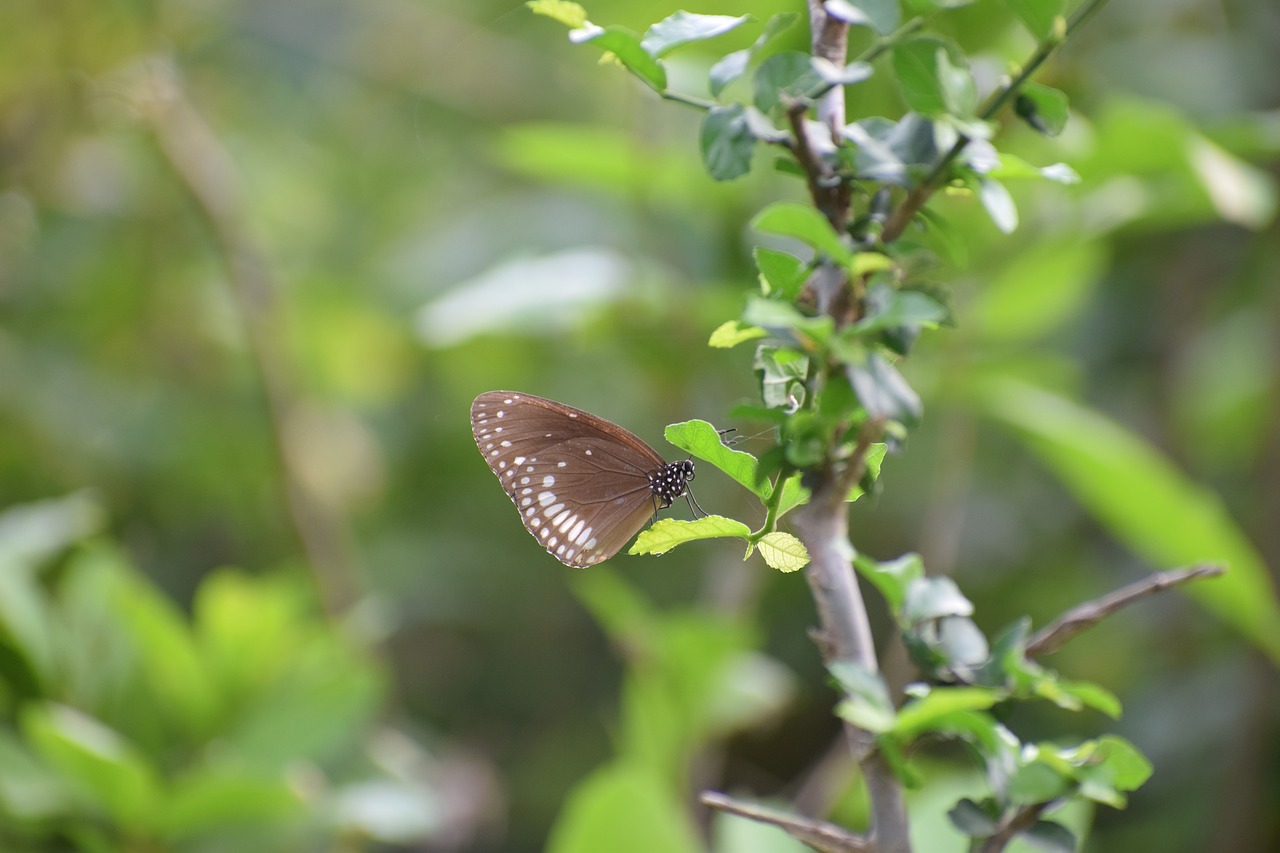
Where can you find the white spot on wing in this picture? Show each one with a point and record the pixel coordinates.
(519, 460)
(548, 481)
(577, 528)
(546, 498)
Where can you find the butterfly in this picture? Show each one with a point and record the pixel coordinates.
(583, 486)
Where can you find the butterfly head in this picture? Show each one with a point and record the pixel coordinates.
(671, 481)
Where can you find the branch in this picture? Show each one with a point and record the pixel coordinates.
(819, 834)
(922, 191)
(1023, 818)
(1084, 616)
(205, 170)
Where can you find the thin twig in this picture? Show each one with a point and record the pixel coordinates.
(1084, 616)
(818, 834)
(1023, 818)
(203, 167)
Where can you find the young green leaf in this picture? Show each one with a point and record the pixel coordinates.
(803, 223)
(685, 27)
(924, 714)
(730, 333)
(726, 142)
(783, 552)
(667, 533)
(625, 45)
(570, 14)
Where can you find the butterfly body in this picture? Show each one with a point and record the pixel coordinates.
(583, 486)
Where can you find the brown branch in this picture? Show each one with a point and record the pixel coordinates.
(1022, 819)
(819, 834)
(1084, 616)
(204, 169)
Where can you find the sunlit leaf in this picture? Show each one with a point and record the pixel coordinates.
(667, 533)
(783, 552)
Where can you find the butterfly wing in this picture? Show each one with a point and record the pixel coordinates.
(581, 483)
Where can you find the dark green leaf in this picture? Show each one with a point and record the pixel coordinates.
(883, 16)
(1050, 837)
(882, 391)
(972, 819)
(781, 273)
(934, 78)
(685, 27)
(625, 45)
(1042, 107)
(726, 142)
(893, 152)
(903, 308)
(788, 75)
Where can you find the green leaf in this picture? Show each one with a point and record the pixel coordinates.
(1093, 695)
(732, 332)
(867, 703)
(734, 65)
(726, 142)
(921, 715)
(781, 372)
(781, 273)
(34, 532)
(667, 533)
(1108, 763)
(933, 78)
(893, 577)
(783, 552)
(1037, 15)
(625, 45)
(904, 308)
(793, 494)
(882, 391)
(998, 204)
(570, 14)
(207, 801)
(703, 441)
(854, 72)
(1036, 782)
(803, 223)
(685, 27)
(883, 16)
(1050, 837)
(624, 807)
(1146, 502)
(97, 762)
(788, 75)
(1042, 107)
(974, 820)
(933, 598)
(893, 152)
(786, 321)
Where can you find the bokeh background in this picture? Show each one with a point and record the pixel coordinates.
(257, 258)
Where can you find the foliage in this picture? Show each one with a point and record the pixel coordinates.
(835, 317)
(127, 726)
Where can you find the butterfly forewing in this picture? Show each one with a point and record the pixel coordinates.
(581, 483)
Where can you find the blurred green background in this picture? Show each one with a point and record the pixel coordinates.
(258, 590)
